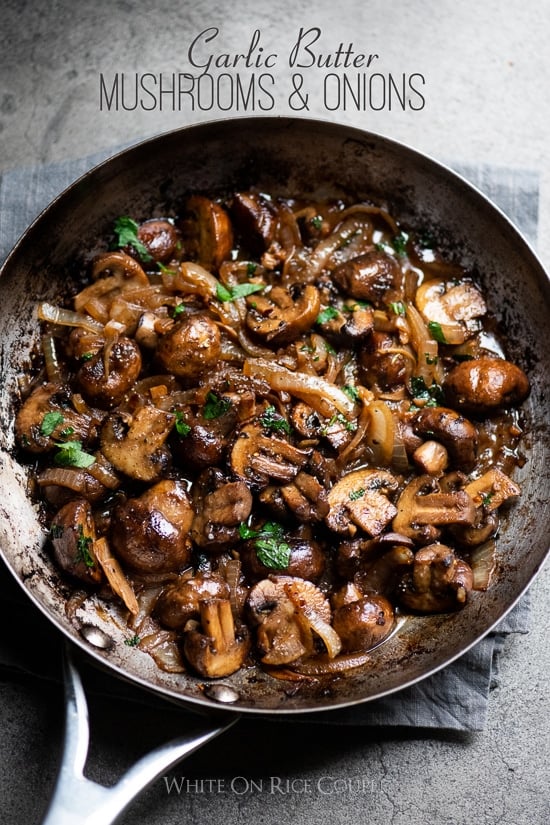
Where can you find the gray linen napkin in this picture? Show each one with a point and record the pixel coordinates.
(455, 698)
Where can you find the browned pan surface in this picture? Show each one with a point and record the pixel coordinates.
(284, 157)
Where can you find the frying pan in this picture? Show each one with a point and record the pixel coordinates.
(284, 157)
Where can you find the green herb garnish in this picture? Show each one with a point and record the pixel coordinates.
(486, 499)
(357, 494)
(326, 315)
(133, 641)
(251, 268)
(399, 243)
(317, 222)
(182, 427)
(271, 550)
(215, 406)
(436, 332)
(71, 454)
(126, 230)
(225, 294)
(431, 359)
(178, 310)
(272, 420)
(351, 392)
(50, 421)
(83, 544)
(166, 269)
(86, 356)
(432, 395)
(398, 308)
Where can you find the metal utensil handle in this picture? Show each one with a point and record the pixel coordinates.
(77, 799)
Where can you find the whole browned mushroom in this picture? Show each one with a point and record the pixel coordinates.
(360, 499)
(191, 347)
(160, 237)
(107, 376)
(483, 385)
(368, 277)
(207, 232)
(135, 444)
(452, 430)
(255, 219)
(216, 646)
(363, 624)
(280, 318)
(150, 533)
(72, 533)
(439, 581)
(306, 559)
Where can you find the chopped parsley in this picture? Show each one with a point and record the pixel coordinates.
(224, 293)
(178, 310)
(83, 545)
(436, 332)
(71, 454)
(215, 406)
(271, 549)
(182, 427)
(326, 315)
(126, 230)
(355, 495)
(399, 243)
(351, 392)
(50, 421)
(317, 222)
(339, 418)
(133, 641)
(398, 308)
(272, 420)
(251, 268)
(86, 356)
(486, 499)
(431, 359)
(432, 395)
(166, 269)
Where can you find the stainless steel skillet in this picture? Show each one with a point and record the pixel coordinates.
(282, 156)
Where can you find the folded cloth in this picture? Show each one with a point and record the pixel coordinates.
(455, 698)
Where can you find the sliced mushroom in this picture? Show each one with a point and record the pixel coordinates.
(492, 489)
(483, 385)
(72, 533)
(439, 581)
(422, 509)
(46, 414)
(217, 647)
(456, 433)
(180, 601)
(135, 445)
(219, 514)
(151, 533)
(454, 307)
(363, 624)
(306, 498)
(357, 555)
(256, 458)
(279, 318)
(207, 232)
(368, 277)
(191, 347)
(360, 499)
(106, 377)
(113, 273)
(255, 220)
(383, 363)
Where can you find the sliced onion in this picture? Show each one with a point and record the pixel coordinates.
(381, 433)
(483, 563)
(67, 318)
(427, 351)
(323, 666)
(115, 576)
(53, 370)
(399, 458)
(321, 395)
(167, 656)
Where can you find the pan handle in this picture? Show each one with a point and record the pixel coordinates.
(77, 799)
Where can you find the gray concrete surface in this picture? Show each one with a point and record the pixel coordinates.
(486, 68)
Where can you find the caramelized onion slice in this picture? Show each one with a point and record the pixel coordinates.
(115, 576)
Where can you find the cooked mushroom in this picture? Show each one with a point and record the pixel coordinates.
(151, 533)
(47, 415)
(439, 581)
(456, 433)
(483, 385)
(256, 458)
(180, 600)
(453, 307)
(72, 533)
(306, 559)
(255, 220)
(135, 444)
(191, 347)
(280, 318)
(217, 646)
(160, 238)
(384, 363)
(431, 457)
(219, 514)
(358, 554)
(113, 273)
(363, 624)
(368, 277)
(354, 322)
(422, 509)
(306, 498)
(207, 232)
(106, 377)
(360, 499)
